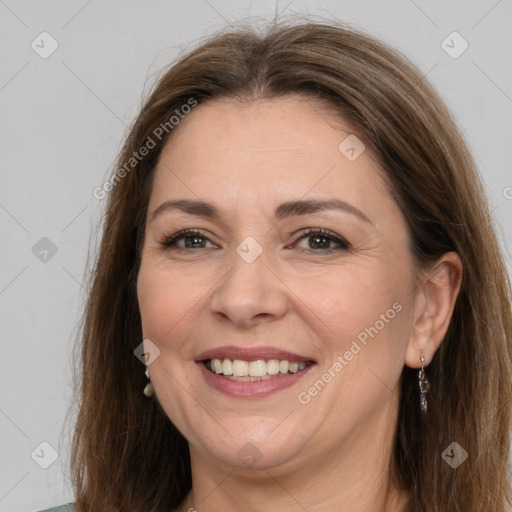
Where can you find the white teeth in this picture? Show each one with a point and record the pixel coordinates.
(257, 368)
(253, 370)
(240, 368)
(217, 366)
(248, 379)
(273, 367)
(227, 367)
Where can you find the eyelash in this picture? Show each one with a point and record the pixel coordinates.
(169, 243)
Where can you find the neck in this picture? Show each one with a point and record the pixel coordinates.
(353, 478)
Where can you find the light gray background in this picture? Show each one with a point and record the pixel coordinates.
(62, 122)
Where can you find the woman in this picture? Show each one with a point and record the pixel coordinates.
(299, 301)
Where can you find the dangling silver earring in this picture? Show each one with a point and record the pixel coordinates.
(149, 391)
(424, 385)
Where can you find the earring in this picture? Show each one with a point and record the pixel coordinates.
(149, 390)
(424, 385)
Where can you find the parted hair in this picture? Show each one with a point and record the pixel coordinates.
(126, 453)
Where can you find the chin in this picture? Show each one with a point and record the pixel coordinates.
(266, 446)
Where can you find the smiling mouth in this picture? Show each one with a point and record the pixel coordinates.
(254, 371)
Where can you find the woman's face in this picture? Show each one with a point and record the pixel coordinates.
(260, 284)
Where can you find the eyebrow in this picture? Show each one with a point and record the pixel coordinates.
(284, 210)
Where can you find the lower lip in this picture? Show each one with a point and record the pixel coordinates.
(247, 389)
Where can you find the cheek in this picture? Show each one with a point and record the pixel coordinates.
(353, 303)
(164, 299)
(363, 332)
(361, 321)
(172, 304)
(166, 304)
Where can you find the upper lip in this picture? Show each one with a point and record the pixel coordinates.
(251, 354)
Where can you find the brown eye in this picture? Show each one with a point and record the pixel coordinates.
(192, 240)
(320, 240)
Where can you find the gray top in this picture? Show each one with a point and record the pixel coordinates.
(62, 508)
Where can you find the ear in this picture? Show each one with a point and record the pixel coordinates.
(433, 308)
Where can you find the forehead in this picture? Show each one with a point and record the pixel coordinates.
(266, 150)
(287, 126)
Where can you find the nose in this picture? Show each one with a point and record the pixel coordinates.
(250, 293)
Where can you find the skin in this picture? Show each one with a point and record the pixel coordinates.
(248, 158)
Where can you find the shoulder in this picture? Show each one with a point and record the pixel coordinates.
(62, 508)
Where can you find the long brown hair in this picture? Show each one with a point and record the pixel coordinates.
(126, 453)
